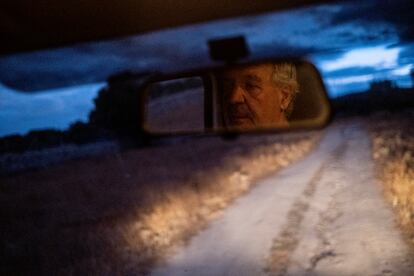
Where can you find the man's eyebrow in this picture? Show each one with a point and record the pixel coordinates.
(254, 78)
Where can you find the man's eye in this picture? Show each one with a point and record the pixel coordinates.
(252, 88)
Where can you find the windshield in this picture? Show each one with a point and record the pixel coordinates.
(84, 190)
(360, 44)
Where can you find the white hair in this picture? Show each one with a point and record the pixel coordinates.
(285, 75)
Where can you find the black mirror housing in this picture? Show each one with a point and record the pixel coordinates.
(267, 96)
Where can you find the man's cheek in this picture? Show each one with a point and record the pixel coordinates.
(256, 106)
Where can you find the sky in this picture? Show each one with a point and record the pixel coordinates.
(55, 108)
(351, 43)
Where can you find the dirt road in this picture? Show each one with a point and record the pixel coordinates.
(325, 215)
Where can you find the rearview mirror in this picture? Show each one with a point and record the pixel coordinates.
(239, 98)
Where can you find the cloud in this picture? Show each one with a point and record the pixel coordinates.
(379, 56)
(343, 85)
(349, 85)
(350, 80)
(70, 66)
(402, 71)
(407, 54)
(353, 70)
(398, 13)
(295, 32)
(316, 30)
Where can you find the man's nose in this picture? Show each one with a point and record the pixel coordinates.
(236, 95)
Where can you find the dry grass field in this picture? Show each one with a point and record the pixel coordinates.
(120, 213)
(393, 150)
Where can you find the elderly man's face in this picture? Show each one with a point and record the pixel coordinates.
(251, 98)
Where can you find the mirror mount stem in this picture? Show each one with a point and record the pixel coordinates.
(229, 50)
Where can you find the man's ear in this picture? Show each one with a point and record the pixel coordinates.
(286, 99)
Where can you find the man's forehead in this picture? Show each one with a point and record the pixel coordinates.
(252, 72)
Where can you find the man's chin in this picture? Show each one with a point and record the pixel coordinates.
(241, 123)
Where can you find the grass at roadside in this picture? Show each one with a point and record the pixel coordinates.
(121, 213)
(393, 150)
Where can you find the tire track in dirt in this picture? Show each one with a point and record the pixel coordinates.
(324, 215)
(349, 229)
(288, 239)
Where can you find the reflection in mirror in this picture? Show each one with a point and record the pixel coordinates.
(258, 95)
(268, 95)
(176, 106)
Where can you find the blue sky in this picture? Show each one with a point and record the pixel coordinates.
(357, 67)
(352, 44)
(55, 108)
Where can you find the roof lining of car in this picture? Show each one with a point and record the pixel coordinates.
(28, 25)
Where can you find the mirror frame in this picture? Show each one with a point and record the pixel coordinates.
(302, 125)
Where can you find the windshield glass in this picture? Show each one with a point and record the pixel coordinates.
(356, 47)
(84, 190)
